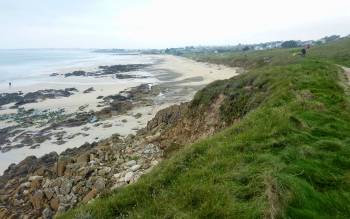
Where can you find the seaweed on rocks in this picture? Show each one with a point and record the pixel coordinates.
(121, 68)
(75, 73)
(20, 99)
(110, 70)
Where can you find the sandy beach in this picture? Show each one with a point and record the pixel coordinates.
(177, 78)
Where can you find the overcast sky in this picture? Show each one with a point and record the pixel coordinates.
(166, 23)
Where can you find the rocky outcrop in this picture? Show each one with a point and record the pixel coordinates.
(47, 123)
(89, 90)
(6, 98)
(42, 187)
(167, 117)
(28, 166)
(183, 124)
(127, 100)
(32, 97)
(116, 108)
(113, 69)
(109, 70)
(75, 73)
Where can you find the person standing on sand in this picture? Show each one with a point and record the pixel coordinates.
(10, 84)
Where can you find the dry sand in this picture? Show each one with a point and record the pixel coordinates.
(190, 69)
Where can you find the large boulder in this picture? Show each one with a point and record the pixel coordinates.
(92, 194)
(49, 193)
(55, 203)
(131, 163)
(135, 167)
(100, 184)
(89, 90)
(66, 186)
(119, 107)
(166, 117)
(128, 177)
(116, 107)
(62, 162)
(37, 199)
(35, 182)
(6, 214)
(75, 73)
(47, 213)
(28, 166)
(84, 158)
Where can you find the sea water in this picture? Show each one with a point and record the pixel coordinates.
(26, 66)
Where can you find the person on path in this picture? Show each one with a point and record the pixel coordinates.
(303, 52)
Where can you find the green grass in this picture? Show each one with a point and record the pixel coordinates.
(337, 52)
(249, 59)
(287, 157)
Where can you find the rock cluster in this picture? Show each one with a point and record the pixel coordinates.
(52, 184)
(74, 73)
(32, 97)
(167, 116)
(89, 90)
(46, 122)
(126, 100)
(108, 70)
(121, 68)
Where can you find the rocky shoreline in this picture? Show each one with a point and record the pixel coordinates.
(46, 186)
(52, 184)
(117, 71)
(42, 187)
(32, 97)
(47, 122)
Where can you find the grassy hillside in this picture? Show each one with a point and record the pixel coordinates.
(337, 52)
(287, 157)
(249, 59)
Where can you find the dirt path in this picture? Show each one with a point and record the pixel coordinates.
(347, 73)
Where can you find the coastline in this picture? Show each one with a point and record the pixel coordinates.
(131, 126)
(178, 79)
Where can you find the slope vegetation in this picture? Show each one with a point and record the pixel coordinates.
(284, 152)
